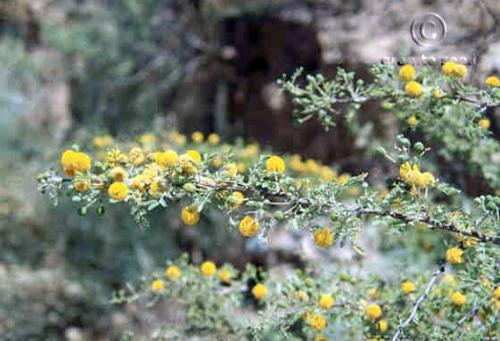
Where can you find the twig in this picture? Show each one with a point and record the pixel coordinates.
(419, 301)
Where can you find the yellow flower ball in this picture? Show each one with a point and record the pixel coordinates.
(213, 139)
(173, 273)
(275, 164)
(448, 68)
(118, 191)
(248, 226)
(217, 162)
(190, 215)
(485, 123)
(225, 276)
(458, 299)
(136, 156)
(75, 162)
(496, 293)
(406, 72)
(407, 287)
(165, 159)
(492, 81)
(448, 279)
(373, 312)
(119, 174)
(197, 137)
(102, 141)
(259, 291)
(318, 322)
(372, 293)
(208, 269)
(194, 155)
(323, 237)
(157, 285)
(459, 71)
(383, 326)
(230, 170)
(413, 89)
(412, 120)
(237, 198)
(81, 185)
(326, 301)
(437, 94)
(454, 255)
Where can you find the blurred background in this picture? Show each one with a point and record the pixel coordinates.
(70, 69)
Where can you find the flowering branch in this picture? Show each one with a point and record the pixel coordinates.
(419, 301)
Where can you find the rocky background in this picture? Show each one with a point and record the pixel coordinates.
(72, 68)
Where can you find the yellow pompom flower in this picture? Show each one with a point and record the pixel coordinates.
(230, 170)
(454, 255)
(437, 94)
(115, 156)
(248, 226)
(136, 156)
(326, 301)
(190, 215)
(75, 162)
(448, 279)
(237, 198)
(496, 293)
(372, 293)
(197, 137)
(373, 312)
(118, 191)
(412, 120)
(119, 174)
(327, 173)
(259, 291)
(275, 164)
(454, 69)
(194, 155)
(323, 237)
(318, 322)
(407, 287)
(147, 139)
(173, 273)
(165, 159)
(383, 326)
(492, 81)
(102, 141)
(225, 276)
(217, 162)
(414, 177)
(413, 89)
(213, 139)
(485, 123)
(406, 72)
(458, 299)
(81, 185)
(157, 285)
(459, 71)
(208, 269)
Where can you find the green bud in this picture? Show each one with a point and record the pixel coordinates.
(278, 215)
(419, 147)
(101, 210)
(82, 211)
(387, 105)
(381, 151)
(402, 158)
(491, 206)
(405, 142)
(189, 187)
(344, 276)
(309, 282)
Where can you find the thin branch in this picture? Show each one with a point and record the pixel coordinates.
(419, 301)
